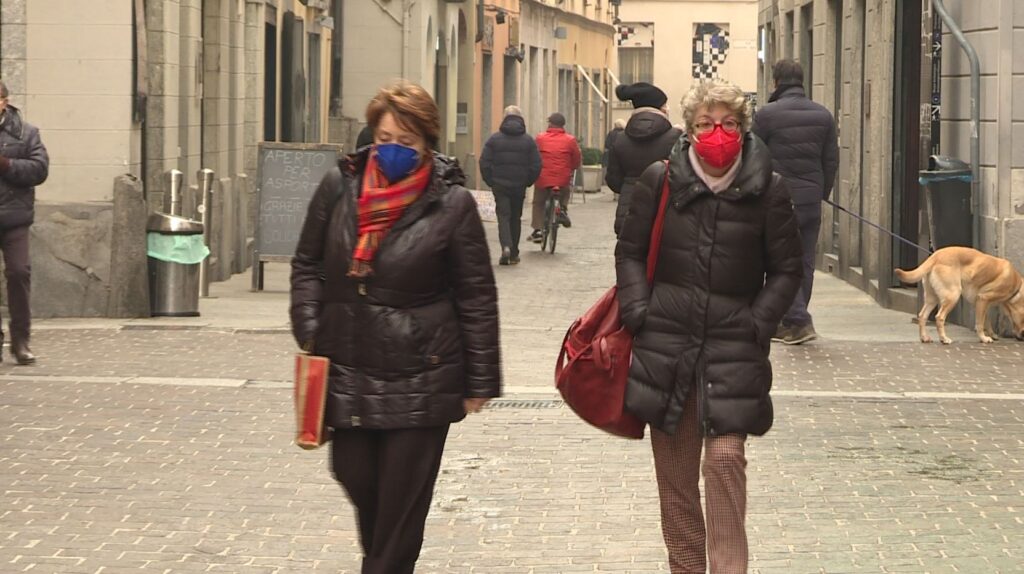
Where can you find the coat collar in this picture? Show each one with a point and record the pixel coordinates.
(446, 173)
(788, 91)
(11, 122)
(752, 180)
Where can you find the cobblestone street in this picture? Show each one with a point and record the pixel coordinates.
(165, 446)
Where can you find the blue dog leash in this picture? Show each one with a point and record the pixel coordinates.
(878, 227)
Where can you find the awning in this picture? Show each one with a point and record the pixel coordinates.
(593, 86)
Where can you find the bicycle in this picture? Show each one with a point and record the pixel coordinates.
(552, 219)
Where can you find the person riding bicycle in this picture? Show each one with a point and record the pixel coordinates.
(560, 157)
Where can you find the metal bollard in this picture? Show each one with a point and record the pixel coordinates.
(177, 178)
(205, 208)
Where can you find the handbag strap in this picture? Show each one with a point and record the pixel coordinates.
(656, 231)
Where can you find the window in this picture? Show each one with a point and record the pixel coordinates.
(636, 65)
(636, 52)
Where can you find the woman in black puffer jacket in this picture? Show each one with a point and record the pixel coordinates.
(728, 269)
(648, 137)
(392, 281)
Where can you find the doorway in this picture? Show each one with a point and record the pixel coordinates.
(293, 89)
(906, 202)
(487, 98)
(836, 24)
(807, 47)
(314, 89)
(270, 81)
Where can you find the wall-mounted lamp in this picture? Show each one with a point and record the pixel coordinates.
(518, 53)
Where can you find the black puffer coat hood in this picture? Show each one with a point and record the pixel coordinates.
(728, 269)
(410, 342)
(513, 125)
(510, 160)
(648, 137)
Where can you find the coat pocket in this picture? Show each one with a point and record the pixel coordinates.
(390, 340)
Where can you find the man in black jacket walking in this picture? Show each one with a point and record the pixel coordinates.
(509, 164)
(24, 164)
(801, 135)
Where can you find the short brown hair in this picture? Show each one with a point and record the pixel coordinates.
(412, 107)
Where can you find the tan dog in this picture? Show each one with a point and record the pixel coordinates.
(982, 279)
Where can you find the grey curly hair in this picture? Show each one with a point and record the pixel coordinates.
(716, 92)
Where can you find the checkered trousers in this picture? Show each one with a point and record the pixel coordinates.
(692, 537)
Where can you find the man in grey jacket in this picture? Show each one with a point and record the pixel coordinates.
(510, 163)
(24, 164)
(801, 135)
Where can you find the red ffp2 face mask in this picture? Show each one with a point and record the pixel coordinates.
(718, 147)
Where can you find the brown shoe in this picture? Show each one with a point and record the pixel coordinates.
(781, 333)
(22, 353)
(800, 334)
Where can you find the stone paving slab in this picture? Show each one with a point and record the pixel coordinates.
(832, 365)
(111, 478)
(165, 446)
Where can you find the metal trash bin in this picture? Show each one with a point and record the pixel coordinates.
(176, 249)
(947, 183)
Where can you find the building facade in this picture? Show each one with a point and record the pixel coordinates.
(676, 43)
(547, 57)
(899, 84)
(141, 87)
(431, 43)
(476, 58)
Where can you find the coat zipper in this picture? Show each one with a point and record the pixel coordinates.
(702, 396)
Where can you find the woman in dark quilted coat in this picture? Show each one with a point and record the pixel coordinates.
(392, 281)
(728, 269)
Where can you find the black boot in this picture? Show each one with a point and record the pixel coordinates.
(21, 352)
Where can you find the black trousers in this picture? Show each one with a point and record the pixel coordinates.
(18, 270)
(508, 203)
(389, 475)
(808, 218)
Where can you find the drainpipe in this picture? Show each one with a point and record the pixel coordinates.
(406, 31)
(972, 56)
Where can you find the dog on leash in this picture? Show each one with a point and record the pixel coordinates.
(981, 278)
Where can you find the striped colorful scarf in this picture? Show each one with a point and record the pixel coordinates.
(380, 205)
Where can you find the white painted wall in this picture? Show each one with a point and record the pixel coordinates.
(78, 77)
(673, 44)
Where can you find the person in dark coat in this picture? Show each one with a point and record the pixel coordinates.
(609, 140)
(801, 135)
(510, 163)
(728, 268)
(365, 137)
(392, 281)
(647, 138)
(24, 164)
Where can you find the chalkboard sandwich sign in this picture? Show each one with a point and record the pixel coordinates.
(286, 178)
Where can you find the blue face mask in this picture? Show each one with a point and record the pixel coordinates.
(396, 160)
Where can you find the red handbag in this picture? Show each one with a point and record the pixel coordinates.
(599, 348)
(310, 399)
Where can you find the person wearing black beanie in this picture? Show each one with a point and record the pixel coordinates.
(641, 95)
(648, 137)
